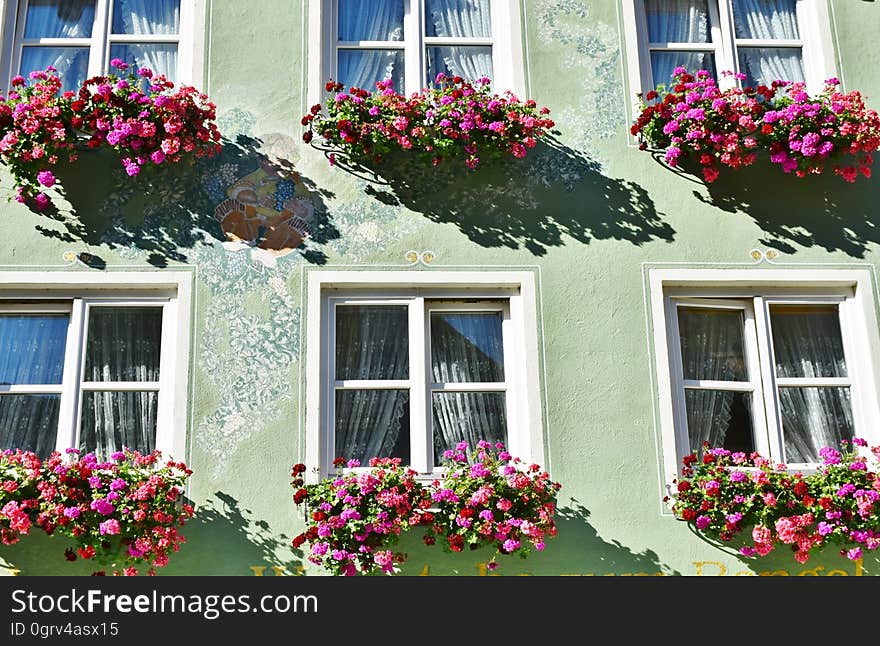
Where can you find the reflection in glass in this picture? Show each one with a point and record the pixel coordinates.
(32, 348)
(466, 347)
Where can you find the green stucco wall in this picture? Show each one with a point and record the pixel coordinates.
(588, 216)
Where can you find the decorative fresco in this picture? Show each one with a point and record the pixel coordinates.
(589, 51)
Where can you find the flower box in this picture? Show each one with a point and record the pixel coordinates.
(698, 124)
(484, 499)
(453, 119)
(733, 496)
(142, 118)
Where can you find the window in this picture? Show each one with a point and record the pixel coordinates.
(781, 369)
(765, 40)
(96, 371)
(409, 370)
(411, 41)
(80, 37)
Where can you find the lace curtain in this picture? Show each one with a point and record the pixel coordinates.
(467, 347)
(147, 17)
(768, 19)
(372, 344)
(711, 350)
(58, 19)
(365, 20)
(807, 343)
(678, 21)
(123, 345)
(457, 19)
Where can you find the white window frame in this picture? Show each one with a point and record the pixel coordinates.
(419, 291)
(190, 40)
(816, 42)
(76, 294)
(754, 291)
(507, 49)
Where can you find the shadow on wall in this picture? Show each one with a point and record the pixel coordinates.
(223, 539)
(576, 550)
(167, 211)
(533, 203)
(819, 211)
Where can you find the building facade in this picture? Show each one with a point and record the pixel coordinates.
(588, 276)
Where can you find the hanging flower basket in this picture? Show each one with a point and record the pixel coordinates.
(454, 119)
(725, 496)
(139, 116)
(695, 123)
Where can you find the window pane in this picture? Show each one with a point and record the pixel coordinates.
(467, 417)
(370, 20)
(807, 341)
(458, 18)
(363, 68)
(678, 21)
(712, 344)
(72, 63)
(372, 342)
(29, 422)
(467, 62)
(161, 59)
(765, 19)
(767, 64)
(466, 347)
(114, 420)
(32, 348)
(372, 424)
(813, 418)
(663, 64)
(146, 16)
(59, 19)
(723, 418)
(123, 344)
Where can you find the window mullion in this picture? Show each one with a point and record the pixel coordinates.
(419, 397)
(100, 45)
(773, 421)
(68, 416)
(413, 35)
(721, 15)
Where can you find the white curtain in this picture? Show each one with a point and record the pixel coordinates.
(29, 422)
(31, 353)
(372, 344)
(678, 21)
(123, 344)
(58, 19)
(808, 344)
(711, 350)
(768, 20)
(364, 20)
(147, 17)
(459, 18)
(467, 347)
